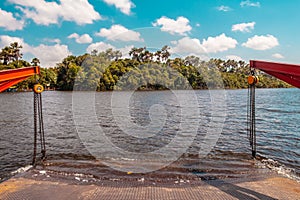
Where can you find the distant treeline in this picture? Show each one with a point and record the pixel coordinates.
(142, 70)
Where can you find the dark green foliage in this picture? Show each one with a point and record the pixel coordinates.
(145, 70)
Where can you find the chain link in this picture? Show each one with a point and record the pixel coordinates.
(38, 126)
(251, 125)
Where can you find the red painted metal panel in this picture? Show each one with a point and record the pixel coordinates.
(11, 77)
(18, 73)
(293, 80)
(8, 84)
(289, 73)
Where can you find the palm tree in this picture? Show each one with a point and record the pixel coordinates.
(35, 62)
(147, 56)
(137, 53)
(165, 54)
(94, 52)
(109, 53)
(10, 53)
(5, 55)
(157, 55)
(15, 51)
(117, 55)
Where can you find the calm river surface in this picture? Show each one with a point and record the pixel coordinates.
(154, 119)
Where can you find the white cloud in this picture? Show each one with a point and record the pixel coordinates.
(124, 5)
(9, 22)
(234, 57)
(179, 26)
(278, 56)
(210, 45)
(187, 45)
(261, 42)
(6, 40)
(55, 40)
(219, 43)
(81, 39)
(45, 13)
(249, 3)
(48, 55)
(102, 46)
(99, 46)
(224, 8)
(119, 32)
(125, 51)
(243, 27)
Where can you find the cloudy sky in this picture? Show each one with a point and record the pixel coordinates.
(228, 29)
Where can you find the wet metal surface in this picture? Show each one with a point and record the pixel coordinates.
(268, 189)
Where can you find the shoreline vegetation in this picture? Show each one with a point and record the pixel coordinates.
(142, 70)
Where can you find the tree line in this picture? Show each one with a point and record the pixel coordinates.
(142, 70)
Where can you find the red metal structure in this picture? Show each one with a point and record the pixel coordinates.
(11, 77)
(289, 73)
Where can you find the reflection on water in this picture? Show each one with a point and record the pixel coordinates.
(278, 111)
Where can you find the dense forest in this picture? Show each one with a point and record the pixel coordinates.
(142, 70)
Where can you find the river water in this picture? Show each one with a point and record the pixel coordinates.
(138, 131)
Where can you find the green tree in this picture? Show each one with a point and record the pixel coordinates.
(35, 62)
(11, 53)
(67, 72)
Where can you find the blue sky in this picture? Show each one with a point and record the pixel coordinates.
(236, 29)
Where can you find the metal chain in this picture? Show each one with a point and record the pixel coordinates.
(35, 127)
(251, 123)
(42, 133)
(248, 114)
(38, 127)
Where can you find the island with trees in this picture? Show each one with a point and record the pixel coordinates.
(105, 71)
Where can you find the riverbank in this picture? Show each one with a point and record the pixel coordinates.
(40, 185)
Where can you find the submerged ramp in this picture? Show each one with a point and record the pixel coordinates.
(270, 188)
